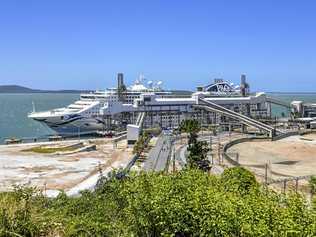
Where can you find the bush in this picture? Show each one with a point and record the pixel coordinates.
(19, 213)
(239, 179)
(186, 203)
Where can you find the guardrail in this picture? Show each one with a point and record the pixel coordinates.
(120, 138)
(171, 153)
(130, 164)
(293, 133)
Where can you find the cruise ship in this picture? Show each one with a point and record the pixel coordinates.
(112, 109)
(85, 115)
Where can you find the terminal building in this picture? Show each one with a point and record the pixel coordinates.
(169, 111)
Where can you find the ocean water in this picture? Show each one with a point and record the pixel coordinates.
(15, 107)
(288, 98)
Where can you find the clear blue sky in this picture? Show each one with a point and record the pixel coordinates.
(83, 44)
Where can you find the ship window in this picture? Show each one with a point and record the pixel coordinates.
(147, 99)
(212, 88)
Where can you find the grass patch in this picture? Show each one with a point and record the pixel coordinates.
(46, 150)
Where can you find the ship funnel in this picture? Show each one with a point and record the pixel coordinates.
(120, 80)
(121, 88)
(244, 86)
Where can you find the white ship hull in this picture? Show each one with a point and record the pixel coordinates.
(75, 124)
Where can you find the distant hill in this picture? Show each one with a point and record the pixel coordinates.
(22, 89)
(181, 92)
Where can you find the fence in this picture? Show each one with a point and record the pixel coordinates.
(285, 182)
(233, 159)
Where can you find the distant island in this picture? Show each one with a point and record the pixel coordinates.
(22, 89)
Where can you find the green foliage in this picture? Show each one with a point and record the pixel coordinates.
(43, 149)
(19, 213)
(190, 126)
(186, 203)
(197, 157)
(312, 184)
(154, 131)
(239, 179)
(141, 143)
(197, 154)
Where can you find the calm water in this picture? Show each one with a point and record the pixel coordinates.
(15, 107)
(306, 97)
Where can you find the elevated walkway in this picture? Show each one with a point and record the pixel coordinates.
(140, 119)
(278, 102)
(210, 106)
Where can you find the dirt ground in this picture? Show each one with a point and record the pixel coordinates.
(55, 172)
(292, 156)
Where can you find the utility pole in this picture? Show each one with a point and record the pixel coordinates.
(266, 174)
(296, 184)
(174, 159)
(219, 147)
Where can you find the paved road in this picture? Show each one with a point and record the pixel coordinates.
(158, 155)
(181, 156)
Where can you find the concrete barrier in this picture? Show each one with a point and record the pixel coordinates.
(81, 149)
(293, 133)
(74, 146)
(285, 135)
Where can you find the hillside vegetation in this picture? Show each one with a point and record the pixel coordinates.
(186, 203)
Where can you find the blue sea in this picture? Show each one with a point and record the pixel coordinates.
(15, 107)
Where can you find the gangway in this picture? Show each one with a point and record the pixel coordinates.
(278, 102)
(210, 106)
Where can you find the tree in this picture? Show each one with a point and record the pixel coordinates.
(192, 128)
(141, 143)
(197, 157)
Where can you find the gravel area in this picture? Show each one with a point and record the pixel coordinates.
(55, 172)
(292, 156)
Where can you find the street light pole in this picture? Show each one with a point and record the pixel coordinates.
(78, 131)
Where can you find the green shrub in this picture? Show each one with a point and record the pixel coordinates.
(238, 179)
(186, 203)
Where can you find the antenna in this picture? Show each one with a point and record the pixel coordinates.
(141, 78)
(159, 84)
(150, 84)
